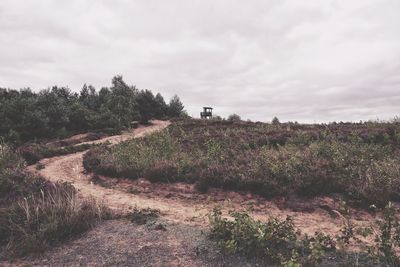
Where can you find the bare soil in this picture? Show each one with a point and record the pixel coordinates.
(123, 243)
(183, 211)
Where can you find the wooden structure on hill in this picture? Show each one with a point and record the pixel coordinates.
(207, 113)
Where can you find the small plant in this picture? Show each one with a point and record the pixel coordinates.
(143, 216)
(385, 236)
(95, 179)
(39, 166)
(214, 151)
(387, 240)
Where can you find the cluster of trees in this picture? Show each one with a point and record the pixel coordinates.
(57, 112)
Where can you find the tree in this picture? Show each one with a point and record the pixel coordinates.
(79, 117)
(234, 117)
(122, 102)
(175, 107)
(55, 104)
(104, 95)
(275, 121)
(161, 108)
(147, 105)
(57, 112)
(89, 97)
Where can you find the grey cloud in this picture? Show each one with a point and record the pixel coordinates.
(298, 60)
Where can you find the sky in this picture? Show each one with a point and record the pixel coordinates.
(306, 61)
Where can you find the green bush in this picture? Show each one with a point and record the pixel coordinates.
(33, 153)
(379, 243)
(162, 171)
(276, 240)
(91, 159)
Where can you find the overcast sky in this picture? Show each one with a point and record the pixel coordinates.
(308, 60)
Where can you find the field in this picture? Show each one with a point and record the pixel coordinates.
(207, 193)
(360, 161)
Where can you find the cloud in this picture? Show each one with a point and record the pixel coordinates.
(298, 60)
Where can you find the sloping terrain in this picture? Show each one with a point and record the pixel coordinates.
(183, 211)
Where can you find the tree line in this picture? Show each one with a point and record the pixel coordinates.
(58, 112)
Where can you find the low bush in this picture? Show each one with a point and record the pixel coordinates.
(379, 243)
(143, 216)
(15, 182)
(162, 171)
(276, 240)
(361, 161)
(91, 159)
(34, 152)
(280, 242)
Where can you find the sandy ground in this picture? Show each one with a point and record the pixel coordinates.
(123, 243)
(180, 204)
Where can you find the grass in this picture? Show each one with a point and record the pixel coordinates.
(359, 160)
(35, 213)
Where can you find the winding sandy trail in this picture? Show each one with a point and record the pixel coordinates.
(69, 168)
(180, 202)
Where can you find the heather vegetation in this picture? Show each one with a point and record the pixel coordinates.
(35, 213)
(358, 160)
(279, 242)
(32, 153)
(57, 112)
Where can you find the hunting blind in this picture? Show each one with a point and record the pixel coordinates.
(207, 113)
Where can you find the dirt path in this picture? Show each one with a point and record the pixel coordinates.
(181, 203)
(69, 168)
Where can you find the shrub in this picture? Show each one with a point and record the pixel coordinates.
(276, 240)
(384, 236)
(388, 238)
(11, 171)
(162, 171)
(143, 216)
(91, 161)
(32, 153)
(39, 166)
(234, 117)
